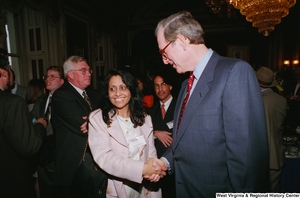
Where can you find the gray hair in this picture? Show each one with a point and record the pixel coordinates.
(69, 63)
(181, 23)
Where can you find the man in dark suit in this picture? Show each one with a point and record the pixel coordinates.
(20, 140)
(162, 114)
(220, 141)
(54, 79)
(69, 113)
(275, 110)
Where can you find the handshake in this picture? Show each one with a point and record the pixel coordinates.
(154, 169)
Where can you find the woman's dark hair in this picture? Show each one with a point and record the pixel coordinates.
(36, 88)
(137, 111)
(147, 84)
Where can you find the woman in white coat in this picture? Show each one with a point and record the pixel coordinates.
(121, 138)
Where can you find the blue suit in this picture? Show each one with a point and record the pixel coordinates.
(221, 144)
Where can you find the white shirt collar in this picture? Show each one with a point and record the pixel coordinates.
(80, 91)
(167, 103)
(200, 67)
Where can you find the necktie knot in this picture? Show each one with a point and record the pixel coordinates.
(190, 81)
(86, 98)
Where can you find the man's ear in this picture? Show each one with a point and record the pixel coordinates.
(1, 73)
(184, 41)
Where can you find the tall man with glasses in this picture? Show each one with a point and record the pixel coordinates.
(69, 114)
(54, 79)
(162, 114)
(220, 141)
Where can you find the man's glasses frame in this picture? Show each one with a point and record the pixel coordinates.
(163, 85)
(163, 51)
(51, 77)
(83, 71)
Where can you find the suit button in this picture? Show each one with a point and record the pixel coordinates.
(176, 159)
(99, 192)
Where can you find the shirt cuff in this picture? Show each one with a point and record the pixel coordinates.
(169, 167)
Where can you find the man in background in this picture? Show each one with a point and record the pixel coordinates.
(275, 110)
(162, 114)
(71, 104)
(18, 89)
(20, 140)
(54, 79)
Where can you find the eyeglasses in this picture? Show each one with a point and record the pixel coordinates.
(51, 77)
(163, 85)
(83, 71)
(163, 51)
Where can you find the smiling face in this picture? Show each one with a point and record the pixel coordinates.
(175, 52)
(119, 95)
(170, 55)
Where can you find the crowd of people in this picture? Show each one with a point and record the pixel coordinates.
(221, 133)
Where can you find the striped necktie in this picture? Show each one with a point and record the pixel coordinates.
(163, 110)
(86, 98)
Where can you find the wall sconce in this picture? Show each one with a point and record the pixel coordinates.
(295, 62)
(286, 62)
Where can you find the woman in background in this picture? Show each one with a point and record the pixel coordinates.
(36, 88)
(147, 92)
(121, 138)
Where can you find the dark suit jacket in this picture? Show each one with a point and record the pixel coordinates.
(68, 108)
(38, 110)
(161, 124)
(167, 184)
(20, 140)
(221, 144)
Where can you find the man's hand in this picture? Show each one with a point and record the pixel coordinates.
(154, 169)
(165, 137)
(42, 121)
(84, 126)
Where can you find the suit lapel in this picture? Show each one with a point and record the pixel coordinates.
(43, 106)
(116, 131)
(79, 98)
(200, 91)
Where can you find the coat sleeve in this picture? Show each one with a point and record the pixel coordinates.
(23, 136)
(245, 130)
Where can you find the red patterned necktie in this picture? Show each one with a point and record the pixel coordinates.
(190, 84)
(163, 110)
